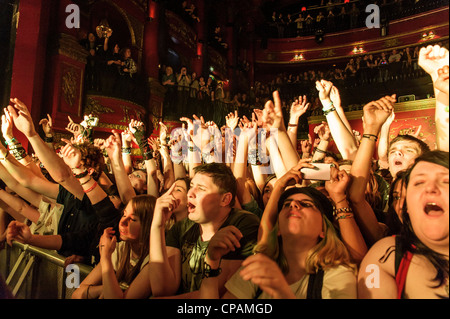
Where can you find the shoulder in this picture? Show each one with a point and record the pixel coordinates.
(382, 255)
(242, 218)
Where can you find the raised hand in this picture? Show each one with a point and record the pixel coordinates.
(337, 185)
(324, 87)
(298, 108)
(377, 112)
(75, 128)
(433, 58)
(273, 114)
(232, 120)
(294, 176)
(22, 117)
(265, 273)
(47, 125)
(70, 154)
(113, 145)
(7, 125)
(107, 243)
(164, 206)
(323, 131)
(442, 81)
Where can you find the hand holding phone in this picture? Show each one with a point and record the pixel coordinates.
(321, 172)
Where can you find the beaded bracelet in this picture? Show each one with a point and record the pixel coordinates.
(11, 140)
(342, 210)
(344, 216)
(126, 150)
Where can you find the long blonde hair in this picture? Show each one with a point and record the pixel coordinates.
(329, 251)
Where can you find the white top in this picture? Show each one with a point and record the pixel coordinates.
(338, 283)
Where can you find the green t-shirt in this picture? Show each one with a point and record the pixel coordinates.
(185, 235)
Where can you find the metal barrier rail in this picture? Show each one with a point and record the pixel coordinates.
(35, 254)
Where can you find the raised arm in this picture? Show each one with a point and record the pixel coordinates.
(342, 136)
(375, 114)
(165, 263)
(26, 177)
(56, 167)
(113, 148)
(273, 119)
(298, 108)
(349, 230)
(324, 133)
(383, 142)
(270, 215)
(432, 59)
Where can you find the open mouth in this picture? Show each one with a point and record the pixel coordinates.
(433, 209)
(191, 207)
(398, 163)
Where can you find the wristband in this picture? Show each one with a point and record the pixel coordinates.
(326, 106)
(328, 111)
(126, 150)
(11, 140)
(81, 175)
(90, 188)
(292, 125)
(320, 151)
(48, 139)
(344, 216)
(369, 136)
(341, 210)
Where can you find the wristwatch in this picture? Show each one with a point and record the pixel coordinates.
(208, 272)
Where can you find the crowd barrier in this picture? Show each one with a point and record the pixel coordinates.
(34, 273)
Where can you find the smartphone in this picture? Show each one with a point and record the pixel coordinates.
(321, 172)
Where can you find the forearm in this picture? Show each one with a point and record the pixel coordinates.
(360, 169)
(292, 131)
(442, 120)
(55, 166)
(270, 215)
(162, 277)
(275, 158)
(19, 206)
(320, 152)
(343, 138)
(52, 242)
(111, 288)
(152, 184)
(367, 222)
(287, 151)
(123, 183)
(350, 232)
(383, 144)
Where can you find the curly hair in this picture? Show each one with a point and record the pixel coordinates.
(92, 157)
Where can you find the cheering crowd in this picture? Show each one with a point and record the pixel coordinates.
(229, 211)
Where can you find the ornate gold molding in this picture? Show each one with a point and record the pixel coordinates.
(68, 45)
